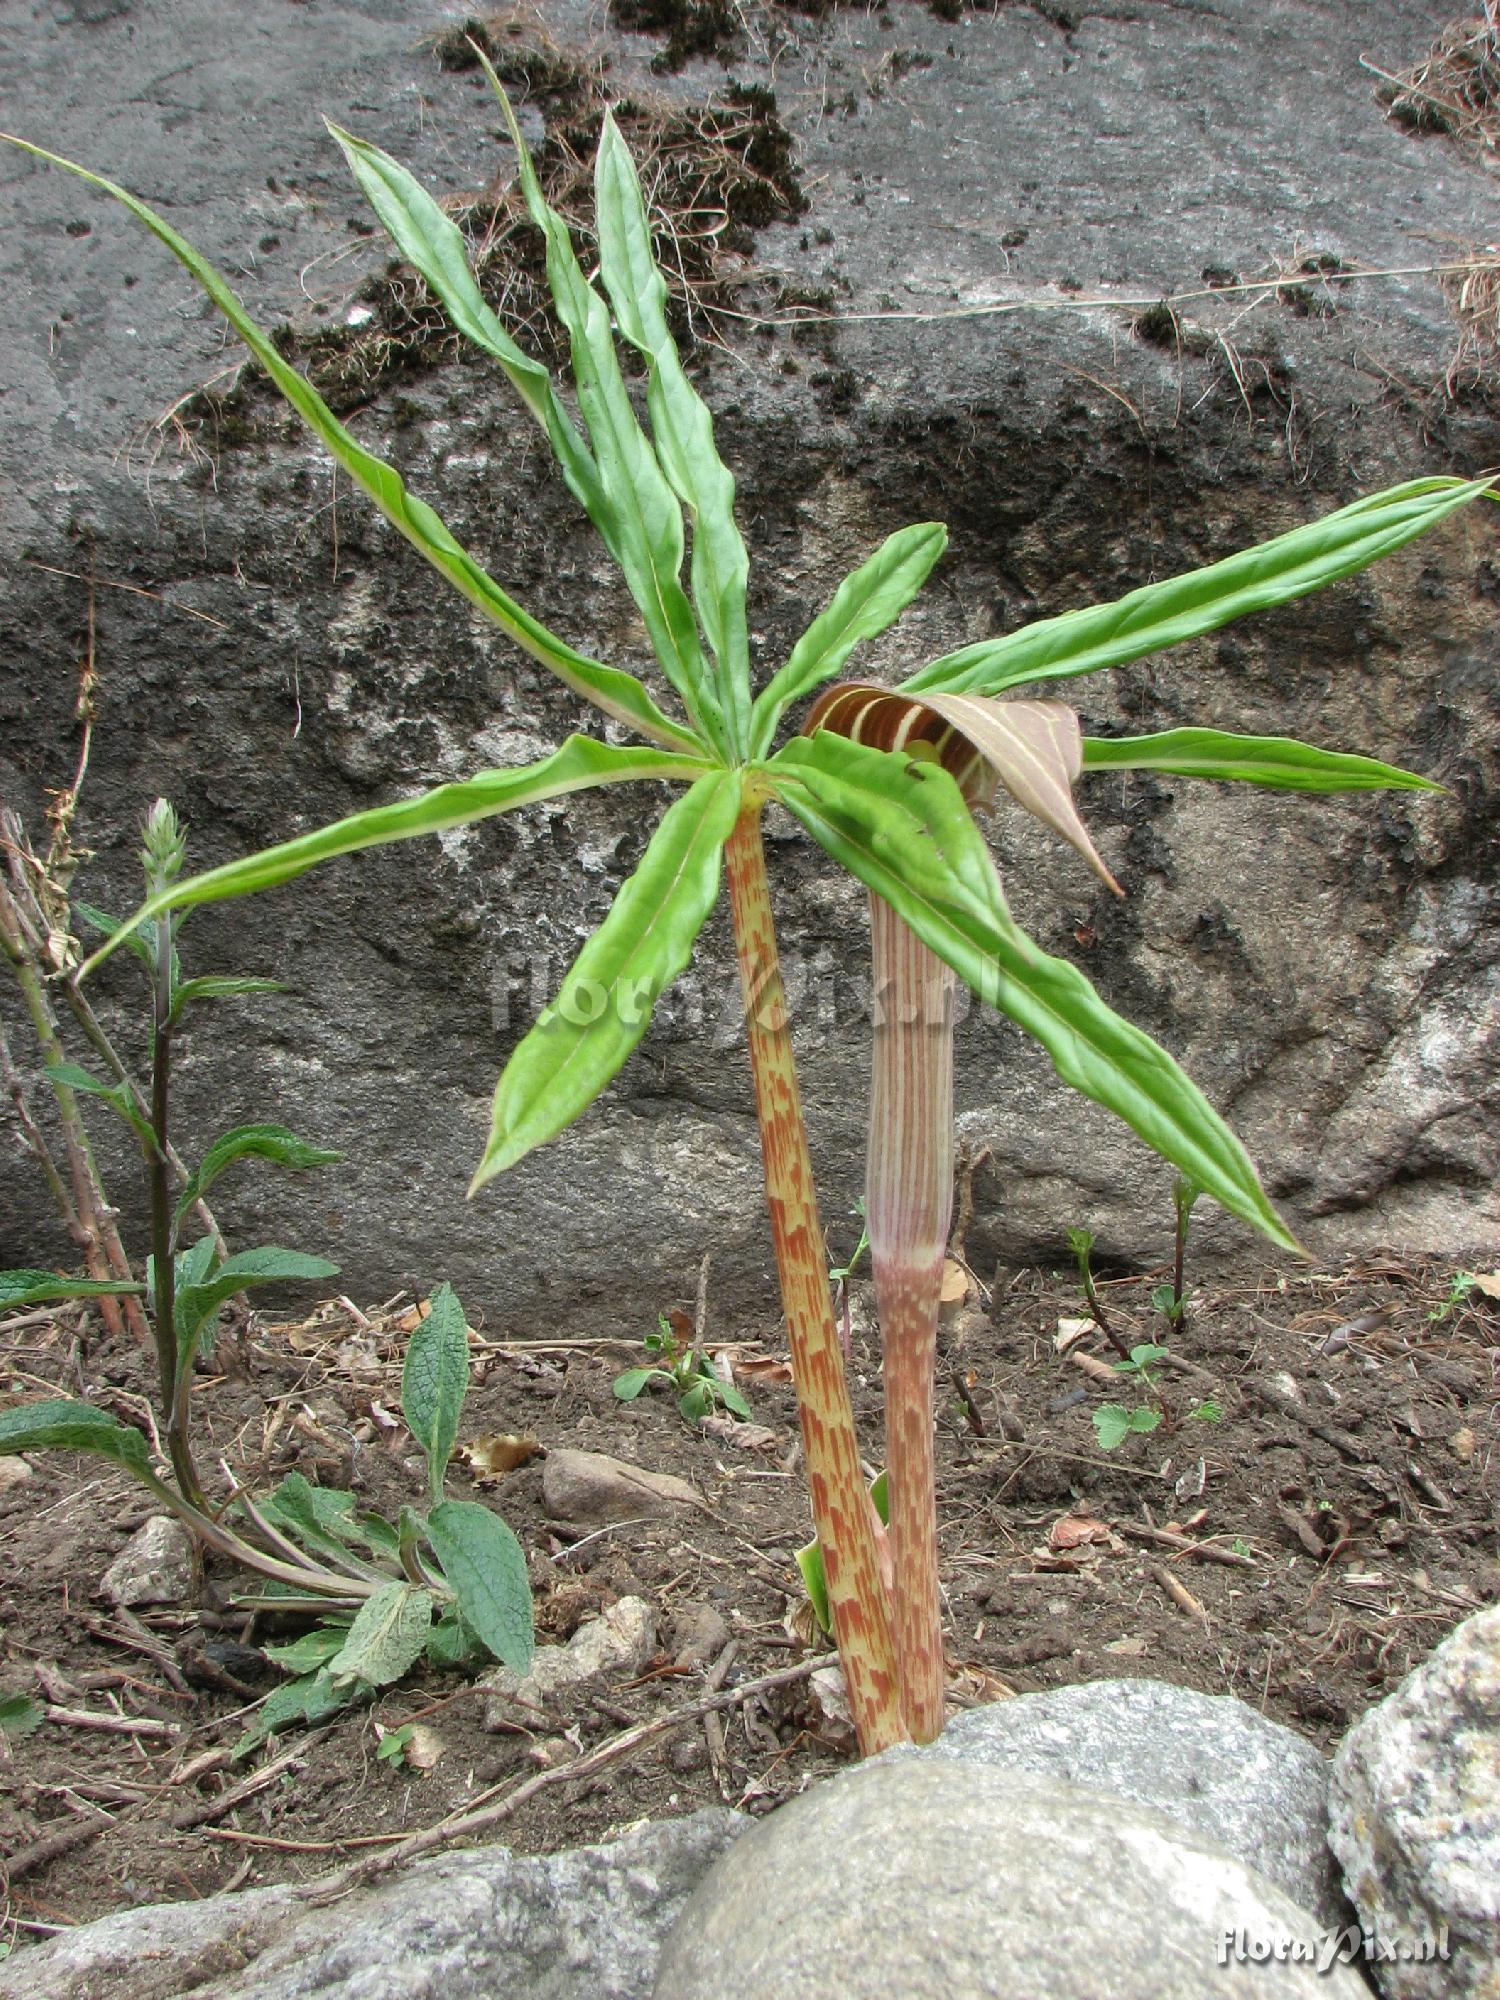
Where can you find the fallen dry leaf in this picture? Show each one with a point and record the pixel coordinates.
(1070, 1332)
(423, 1747)
(744, 1437)
(955, 1283)
(1071, 1531)
(500, 1452)
(761, 1368)
(1488, 1282)
(1462, 1444)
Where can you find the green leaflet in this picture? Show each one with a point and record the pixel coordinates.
(581, 1041)
(40, 1288)
(863, 606)
(579, 763)
(619, 694)
(1184, 607)
(433, 244)
(264, 1142)
(639, 517)
(903, 828)
(1279, 761)
(486, 1571)
(60, 1424)
(216, 986)
(435, 1381)
(71, 1076)
(194, 1303)
(682, 426)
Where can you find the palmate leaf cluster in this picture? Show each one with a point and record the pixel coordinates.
(898, 818)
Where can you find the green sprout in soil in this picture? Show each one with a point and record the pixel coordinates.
(687, 1372)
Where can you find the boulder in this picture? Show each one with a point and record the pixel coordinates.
(1209, 1763)
(586, 1924)
(958, 1881)
(1415, 1822)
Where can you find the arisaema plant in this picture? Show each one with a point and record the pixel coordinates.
(885, 781)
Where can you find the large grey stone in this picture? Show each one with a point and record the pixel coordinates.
(1326, 970)
(586, 1924)
(917, 1879)
(1208, 1763)
(1415, 1812)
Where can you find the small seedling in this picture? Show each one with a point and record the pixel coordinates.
(1464, 1284)
(1081, 1243)
(687, 1372)
(1171, 1300)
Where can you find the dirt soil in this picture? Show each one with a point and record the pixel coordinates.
(1304, 1552)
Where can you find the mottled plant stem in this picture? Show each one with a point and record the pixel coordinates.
(841, 1509)
(87, 1215)
(174, 1379)
(908, 1207)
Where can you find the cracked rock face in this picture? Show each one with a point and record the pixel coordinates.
(1327, 970)
(1415, 1820)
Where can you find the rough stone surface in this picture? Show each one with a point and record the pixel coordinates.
(154, 1567)
(960, 1882)
(589, 1489)
(1208, 1763)
(586, 1924)
(619, 1641)
(1327, 971)
(1415, 1817)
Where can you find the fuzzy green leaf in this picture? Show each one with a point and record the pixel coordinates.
(629, 1385)
(1278, 761)
(61, 1424)
(581, 1041)
(1201, 600)
(903, 829)
(325, 1522)
(388, 1636)
(862, 607)
(263, 1142)
(39, 1288)
(486, 1571)
(681, 425)
(311, 1700)
(638, 516)
(579, 763)
(313, 1650)
(619, 694)
(452, 1642)
(435, 1381)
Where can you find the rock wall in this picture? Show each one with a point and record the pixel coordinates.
(1326, 970)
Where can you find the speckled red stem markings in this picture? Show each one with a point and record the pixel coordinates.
(908, 1204)
(841, 1508)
